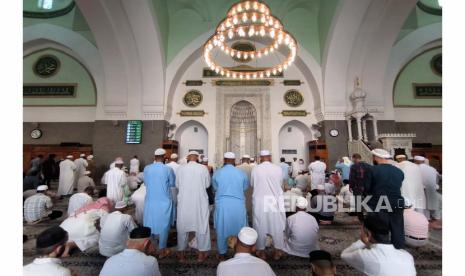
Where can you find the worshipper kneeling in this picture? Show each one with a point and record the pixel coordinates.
(158, 208)
(243, 262)
(50, 245)
(415, 225)
(321, 263)
(133, 260)
(192, 181)
(39, 207)
(138, 198)
(84, 182)
(230, 216)
(79, 200)
(301, 231)
(323, 206)
(374, 254)
(115, 230)
(82, 226)
(301, 181)
(116, 180)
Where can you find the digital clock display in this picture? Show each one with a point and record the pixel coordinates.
(134, 132)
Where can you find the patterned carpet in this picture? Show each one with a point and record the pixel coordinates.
(333, 238)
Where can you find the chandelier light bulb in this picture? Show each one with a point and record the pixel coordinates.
(255, 6)
(244, 18)
(247, 6)
(254, 18)
(268, 74)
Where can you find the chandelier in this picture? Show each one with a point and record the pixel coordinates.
(250, 20)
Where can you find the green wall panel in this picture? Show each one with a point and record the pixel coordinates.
(418, 70)
(71, 71)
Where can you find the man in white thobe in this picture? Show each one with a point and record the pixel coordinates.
(295, 168)
(115, 230)
(66, 180)
(247, 169)
(174, 191)
(412, 186)
(268, 204)
(115, 179)
(317, 170)
(79, 200)
(430, 177)
(244, 263)
(138, 197)
(193, 213)
(81, 165)
(301, 231)
(134, 165)
(84, 182)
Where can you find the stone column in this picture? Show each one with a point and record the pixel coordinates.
(359, 128)
(375, 128)
(364, 130)
(349, 128)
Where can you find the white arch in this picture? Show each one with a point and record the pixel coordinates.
(201, 143)
(45, 35)
(414, 43)
(307, 136)
(305, 62)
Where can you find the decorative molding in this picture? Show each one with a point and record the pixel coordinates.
(153, 115)
(116, 115)
(397, 135)
(49, 14)
(429, 9)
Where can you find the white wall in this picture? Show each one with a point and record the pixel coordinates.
(189, 139)
(296, 139)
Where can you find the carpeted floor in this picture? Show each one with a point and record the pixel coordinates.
(333, 238)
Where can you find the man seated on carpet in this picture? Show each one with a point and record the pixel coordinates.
(49, 244)
(79, 200)
(302, 181)
(323, 206)
(243, 262)
(321, 263)
(38, 207)
(133, 260)
(374, 254)
(115, 230)
(301, 234)
(415, 226)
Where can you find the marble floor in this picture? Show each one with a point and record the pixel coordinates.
(333, 238)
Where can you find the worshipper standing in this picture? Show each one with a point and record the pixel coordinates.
(317, 170)
(252, 162)
(247, 169)
(360, 176)
(301, 181)
(66, 180)
(84, 182)
(286, 170)
(302, 165)
(49, 244)
(91, 164)
(295, 167)
(36, 163)
(416, 226)
(115, 229)
(384, 189)
(173, 164)
(193, 213)
(138, 198)
(230, 215)
(32, 180)
(344, 166)
(244, 263)
(412, 186)
(81, 227)
(134, 165)
(321, 206)
(430, 177)
(79, 200)
(374, 255)
(115, 179)
(321, 263)
(158, 209)
(301, 231)
(133, 260)
(39, 207)
(210, 192)
(49, 169)
(81, 165)
(268, 204)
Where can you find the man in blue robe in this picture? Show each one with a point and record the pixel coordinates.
(230, 183)
(158, 207)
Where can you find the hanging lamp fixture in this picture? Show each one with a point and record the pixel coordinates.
(250, 20)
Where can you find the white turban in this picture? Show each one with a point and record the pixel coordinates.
(246, 156)
(265, 153)
(401, 156)
(42, 188)
(381, 153)
(302, 203)
(82, 155)
(174, 156)
(248, 236)
(193, 153)
(69, 157)
(419, 158)
(90, 157)
(86, 172)
(320, 187)
(119, 161)
(205, 159)
(159, 152)
(120, 205)
(229, 155)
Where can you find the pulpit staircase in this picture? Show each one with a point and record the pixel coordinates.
(360, 147)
